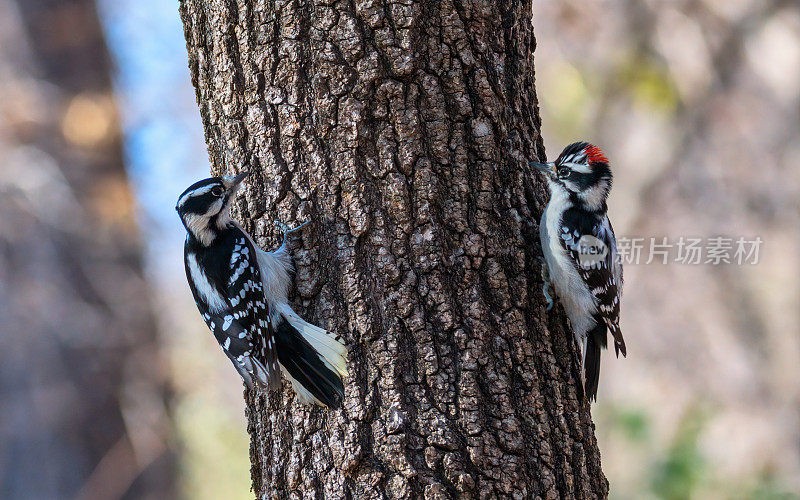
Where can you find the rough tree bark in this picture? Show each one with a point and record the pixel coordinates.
(401, 129)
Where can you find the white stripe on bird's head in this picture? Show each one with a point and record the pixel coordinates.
(195, 192)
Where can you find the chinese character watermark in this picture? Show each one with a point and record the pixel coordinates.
(715, 251)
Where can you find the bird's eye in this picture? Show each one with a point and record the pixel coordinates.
(563, 172)
(217, 191)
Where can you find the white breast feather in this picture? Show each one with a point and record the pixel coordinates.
(578, 301)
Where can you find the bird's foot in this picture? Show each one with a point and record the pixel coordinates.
(286, 229)
(546, 286)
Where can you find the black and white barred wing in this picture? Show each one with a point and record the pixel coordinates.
(243, 329)
(594, 251)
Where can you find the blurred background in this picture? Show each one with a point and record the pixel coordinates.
(111, 386)
(697, 104)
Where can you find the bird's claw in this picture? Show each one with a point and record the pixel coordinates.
(286, 229)
(547, 297)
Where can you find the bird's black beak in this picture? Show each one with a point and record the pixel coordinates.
(232, 182)
(545, 168)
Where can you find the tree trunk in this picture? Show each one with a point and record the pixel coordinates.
(402, 131)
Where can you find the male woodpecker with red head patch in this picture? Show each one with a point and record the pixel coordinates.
(580, 251)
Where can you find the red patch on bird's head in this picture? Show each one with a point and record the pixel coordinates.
(595, 154)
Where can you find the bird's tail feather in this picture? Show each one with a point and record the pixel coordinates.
(313, 359)
(329, 345)
(595, 342)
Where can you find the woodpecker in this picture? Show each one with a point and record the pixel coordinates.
(242, 294)
(580, 252)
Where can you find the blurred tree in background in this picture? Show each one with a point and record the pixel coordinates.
(83, 390)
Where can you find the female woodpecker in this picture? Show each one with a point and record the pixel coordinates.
(242, 294)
